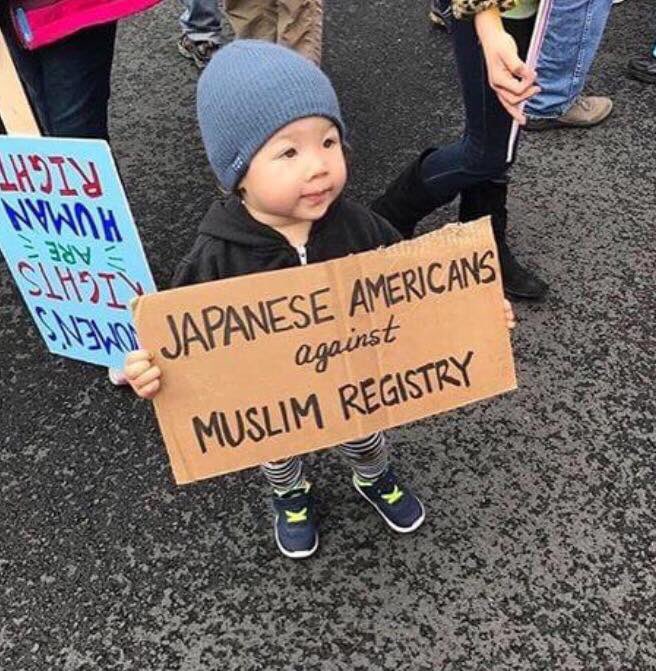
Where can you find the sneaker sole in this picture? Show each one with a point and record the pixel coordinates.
(184, 53)
(518, 295)
(295, 554)
(436, 20)
(390, 524)
(641, 77)
(190, 57)
(554, 124)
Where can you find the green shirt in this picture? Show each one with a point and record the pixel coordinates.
(523, 9)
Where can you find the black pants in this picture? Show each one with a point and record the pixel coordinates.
(480, 154)
(68, 83)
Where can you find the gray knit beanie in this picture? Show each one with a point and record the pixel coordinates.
(250, 90)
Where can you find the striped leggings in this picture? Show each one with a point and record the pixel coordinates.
(368, 457)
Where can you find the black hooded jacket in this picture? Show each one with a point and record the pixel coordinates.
(231, 243)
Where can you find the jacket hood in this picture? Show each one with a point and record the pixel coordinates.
(231, 221)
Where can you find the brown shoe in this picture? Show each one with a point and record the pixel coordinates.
(586, 111)
(200, 52)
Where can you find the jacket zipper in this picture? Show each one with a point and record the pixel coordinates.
(301, 250)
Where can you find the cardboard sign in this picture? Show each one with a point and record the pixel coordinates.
(275, 364)
(69, 239)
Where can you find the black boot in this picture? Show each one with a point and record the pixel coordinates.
(490, 198)
(406, 200)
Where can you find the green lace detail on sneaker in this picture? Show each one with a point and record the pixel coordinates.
(362, 483)
(393, 496)
(296, 517)
(301, 488)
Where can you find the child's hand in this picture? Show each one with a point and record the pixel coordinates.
(143, 376)
(512, 80)
(510, 315)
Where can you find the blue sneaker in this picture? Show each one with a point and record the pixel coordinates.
(396, 504)
(294, 525)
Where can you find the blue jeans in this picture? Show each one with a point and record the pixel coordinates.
(201, 20)
(480, 154)
(573, 35)
(68, 82)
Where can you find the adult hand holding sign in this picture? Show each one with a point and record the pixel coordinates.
(511, 79)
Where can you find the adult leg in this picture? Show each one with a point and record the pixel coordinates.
(257, 19)
(570, 45)
(201, 31)
(28, 66)
(438, 175)
(76, 81)
(201, 21)
(69, 82)
(300, 26)
(490, 196)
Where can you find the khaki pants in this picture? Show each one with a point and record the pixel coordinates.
(295, 23)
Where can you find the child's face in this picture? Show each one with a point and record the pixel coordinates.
(296, 175)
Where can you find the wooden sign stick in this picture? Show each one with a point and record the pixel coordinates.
(15, 109)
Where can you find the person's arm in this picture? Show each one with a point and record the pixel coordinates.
(510, 78)
(466, 8)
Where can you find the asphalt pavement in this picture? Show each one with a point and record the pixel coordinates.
(539, 547)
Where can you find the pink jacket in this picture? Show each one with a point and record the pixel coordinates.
(41, 22)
